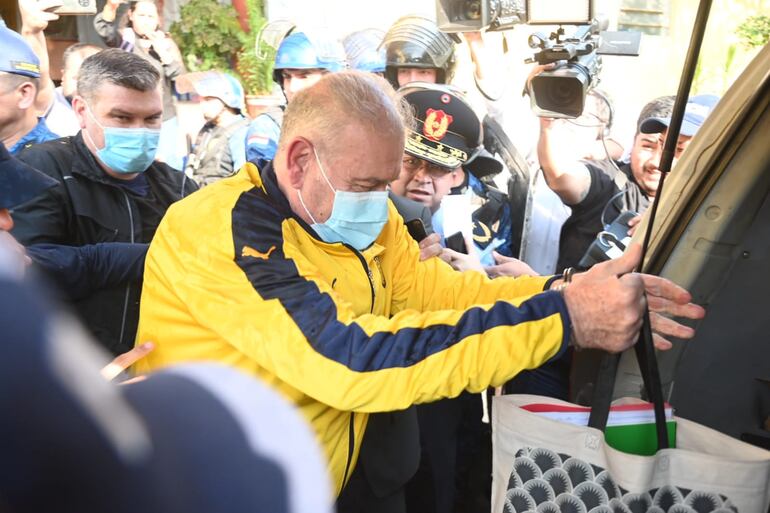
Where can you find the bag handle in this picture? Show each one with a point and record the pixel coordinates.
(648, 364)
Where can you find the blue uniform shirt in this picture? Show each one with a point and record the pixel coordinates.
(41, 133)
(262, 139)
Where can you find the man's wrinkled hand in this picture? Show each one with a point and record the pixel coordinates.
(607, 304)
(430, 246)
(665, 299)
(126, 360)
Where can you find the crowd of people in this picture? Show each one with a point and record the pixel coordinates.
(351, 250)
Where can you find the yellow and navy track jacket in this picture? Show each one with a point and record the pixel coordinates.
(232, 275)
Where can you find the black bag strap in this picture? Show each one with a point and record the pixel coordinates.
(645, 351)
(648, 364)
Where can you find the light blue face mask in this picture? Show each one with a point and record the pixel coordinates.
(357, 218)
(126, 150)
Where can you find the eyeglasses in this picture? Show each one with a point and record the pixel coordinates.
(412, 164)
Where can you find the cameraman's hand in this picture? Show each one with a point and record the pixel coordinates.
(535, 71)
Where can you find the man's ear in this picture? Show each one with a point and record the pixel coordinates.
(79, 106)
(27, 93)
(458, 177)
(299, 152)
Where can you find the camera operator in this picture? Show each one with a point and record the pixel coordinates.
(598, 191)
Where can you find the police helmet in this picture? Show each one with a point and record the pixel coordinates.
(446, 131)
(364, 51)
(416, 42)
(299, 51)
(215, 84)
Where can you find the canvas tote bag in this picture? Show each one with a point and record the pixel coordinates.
(547, 466)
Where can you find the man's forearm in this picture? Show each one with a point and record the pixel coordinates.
(569, 180)
(82, 270)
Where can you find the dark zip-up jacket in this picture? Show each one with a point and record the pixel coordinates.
(89, 207)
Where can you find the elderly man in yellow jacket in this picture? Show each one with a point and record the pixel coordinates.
(304, 275)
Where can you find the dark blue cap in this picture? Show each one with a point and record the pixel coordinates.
(695, 113)
(198, 438)
(17, 56)
(19, 183)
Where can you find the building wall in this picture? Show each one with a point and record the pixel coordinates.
(630, 81)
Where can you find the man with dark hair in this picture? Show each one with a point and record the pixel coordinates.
(110, 190)
(19, 83)
(597, 191)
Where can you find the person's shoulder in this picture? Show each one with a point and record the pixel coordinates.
(265, 122)
(49, 157)
(162, 169)
(162, 173)
(59, 145)
(486, 190)
(601, 185)
(603, 169)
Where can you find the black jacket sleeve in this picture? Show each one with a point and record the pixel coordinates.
(79, 271)
(42, 220)
(47, 218)
(108, 30)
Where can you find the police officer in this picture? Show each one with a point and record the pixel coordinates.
(220, 146)
(447, 136)
(364, 52)
(417, 50)
(300, 62)
(20, 125)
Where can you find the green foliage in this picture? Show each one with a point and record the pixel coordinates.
(256, 68)
(754, 31)
(256, 72)
(208, 34)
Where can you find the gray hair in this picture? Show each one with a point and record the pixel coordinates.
(10, 81)
(660, 107)
(116, 67)
(341, 99)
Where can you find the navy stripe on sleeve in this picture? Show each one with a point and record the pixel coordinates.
(256, 223)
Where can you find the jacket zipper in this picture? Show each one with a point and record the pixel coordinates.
(351, 446)
(382, 274)
(128, 285)
(366, 269)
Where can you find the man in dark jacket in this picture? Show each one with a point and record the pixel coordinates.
(110, 190)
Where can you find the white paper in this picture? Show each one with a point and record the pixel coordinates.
(457, 215)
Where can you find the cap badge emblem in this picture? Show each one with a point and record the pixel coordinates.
(436, 124)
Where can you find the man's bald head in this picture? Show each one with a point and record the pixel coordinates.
(340, 101)
(344, 133)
